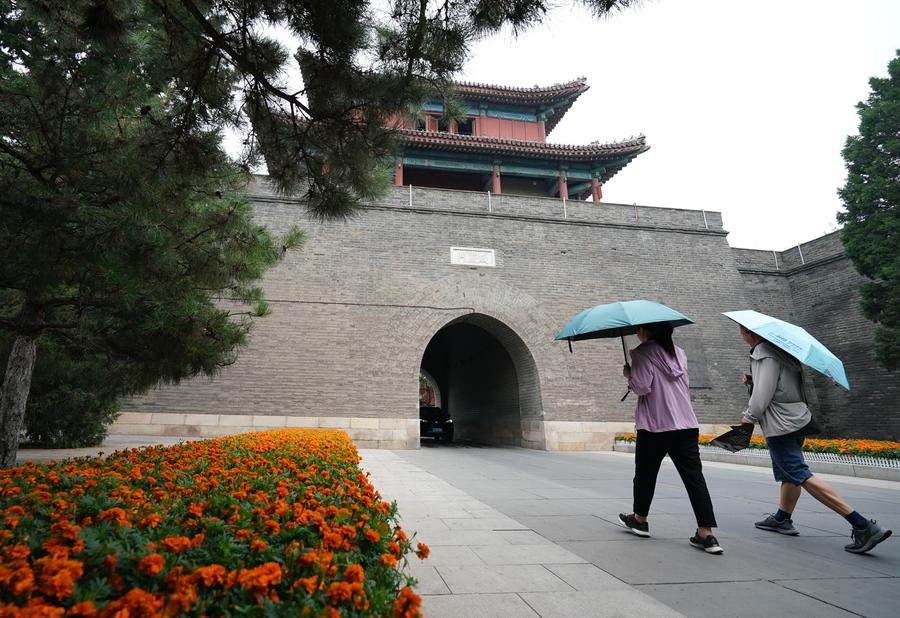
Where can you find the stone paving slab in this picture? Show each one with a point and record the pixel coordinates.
(586, 577)
(476, 606)
(547, 553)
(485, 562)
(502, 578)
(430, 581)
(763, 573)
(751, 599)
(599, 604)
(876, 598)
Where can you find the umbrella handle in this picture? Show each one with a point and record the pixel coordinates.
(569, 339)
(622, 337)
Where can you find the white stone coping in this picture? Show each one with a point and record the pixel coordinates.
(370, 432)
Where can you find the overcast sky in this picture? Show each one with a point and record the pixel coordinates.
(745, 105)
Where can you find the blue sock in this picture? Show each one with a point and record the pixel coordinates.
(856, 520)
(780, 516)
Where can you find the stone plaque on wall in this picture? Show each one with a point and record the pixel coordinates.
(471, 256)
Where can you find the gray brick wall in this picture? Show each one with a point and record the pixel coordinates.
(355, 309)
(821, 294)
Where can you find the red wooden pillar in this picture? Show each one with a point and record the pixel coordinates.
(495, 179)
(398, 174)
(563, 186)
(596, 189)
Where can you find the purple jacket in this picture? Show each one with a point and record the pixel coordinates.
(661, 382)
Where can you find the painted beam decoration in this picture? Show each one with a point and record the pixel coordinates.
(502, 143)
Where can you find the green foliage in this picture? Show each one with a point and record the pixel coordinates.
(73, 398)
(123, 225)
(124, 232)
(871, 196)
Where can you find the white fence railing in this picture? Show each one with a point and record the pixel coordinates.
(853, 460)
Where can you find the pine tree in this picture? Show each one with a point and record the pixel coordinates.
(871, 196)
(122, 221)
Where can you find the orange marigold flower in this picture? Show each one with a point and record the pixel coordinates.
(354, 573)
(58, 577)
(372, 536)
(389, 559)
(332, 540)
(18, 578)
(56, 548)
(176, 544)
(65, 530)
(272, 526)
(259, 579)
(115, 515)
(258, 545)
(407, 604)
(307, 583)
(195, 509)
(85, 609)
(36, 608)
(18, 551)
(422, 551)
(151, 564)
(151, 521)
(136, 603)
(211, 575)
(339, 592)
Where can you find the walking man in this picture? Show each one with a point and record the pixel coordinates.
(778, 406)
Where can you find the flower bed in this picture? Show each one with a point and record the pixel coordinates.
(884, 449)
(273, 523)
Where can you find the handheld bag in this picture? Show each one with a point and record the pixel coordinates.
(737, 439)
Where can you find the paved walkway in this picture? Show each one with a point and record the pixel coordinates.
(517, 532)
(486, 564)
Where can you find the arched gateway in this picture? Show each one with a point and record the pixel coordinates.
(471, 273)
(488, 379)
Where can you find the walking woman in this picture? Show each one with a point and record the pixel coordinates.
(666, 425)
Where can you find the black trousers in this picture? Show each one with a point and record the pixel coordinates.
(681, 447)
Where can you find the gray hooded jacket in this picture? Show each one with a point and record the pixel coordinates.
(777, 403)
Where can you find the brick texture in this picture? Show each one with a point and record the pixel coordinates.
(354, 311)
(820, 292)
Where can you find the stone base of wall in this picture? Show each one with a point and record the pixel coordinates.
(584, 435)
(367, 432)
(388, 433)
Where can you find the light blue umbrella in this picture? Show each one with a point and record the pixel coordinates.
(793, 340)
(617, 320)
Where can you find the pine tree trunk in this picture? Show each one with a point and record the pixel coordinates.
(14, 395)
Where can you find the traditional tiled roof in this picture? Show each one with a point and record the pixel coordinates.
(559, 97)
(451, 142)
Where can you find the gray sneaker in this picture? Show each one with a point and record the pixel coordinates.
(867, 538)
(781, 527)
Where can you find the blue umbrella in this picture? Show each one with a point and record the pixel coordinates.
(793, 340)
(617, 320)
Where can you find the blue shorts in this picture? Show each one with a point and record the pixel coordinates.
(788, 464)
